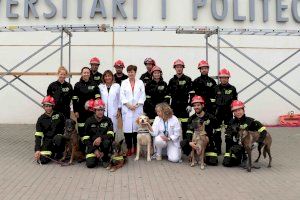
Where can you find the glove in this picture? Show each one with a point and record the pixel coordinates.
(188, 109)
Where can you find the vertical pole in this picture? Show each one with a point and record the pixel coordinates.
(219, 52)
(70, 56)
(61, 45)
(206, 47)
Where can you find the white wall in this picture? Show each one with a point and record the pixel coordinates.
(164, 47)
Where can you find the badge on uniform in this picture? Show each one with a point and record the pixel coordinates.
(228, 91)
(104, 125)
(93, 126)
(96, 78)
(65, 89)
(207, 122)
(244, 126)
(182, 82)
(54, 117)
(209, 84)
(161, 87)
(91, 87)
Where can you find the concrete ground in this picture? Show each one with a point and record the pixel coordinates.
(21, 178)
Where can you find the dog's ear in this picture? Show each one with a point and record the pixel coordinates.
(137, 121)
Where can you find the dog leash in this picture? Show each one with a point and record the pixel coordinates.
(55, 161)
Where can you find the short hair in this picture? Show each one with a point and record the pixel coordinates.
(166, 110)
(108, 72)
(84, 69)
(62, 68)
(131, 67)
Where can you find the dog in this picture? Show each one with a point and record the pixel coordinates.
(247, 138)
(143, 136)
(118, 158)
(201, 140)
(72, 142)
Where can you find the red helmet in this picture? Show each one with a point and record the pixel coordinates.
(149, 61)
(48, 100)
(98, 104)
(203, 63)
(224, 73)
(178, 62)
(156, 68)
(198, 99)
(89, 105)
(95, 60)
(119, 63)
(236, 104)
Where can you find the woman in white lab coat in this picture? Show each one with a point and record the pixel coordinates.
(132, 95)
(110, 94)
(167, 133)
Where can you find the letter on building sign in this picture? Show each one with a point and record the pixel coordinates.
(279, 10)
(53, 9)
(64, 8)
(214, 9)
(164, 9)
(135, 9)
(266, 10)
(197, 4)
(79, 8)
(98, 7)
(236, 16)
(118, 5)
(295, 10)
(29, 5)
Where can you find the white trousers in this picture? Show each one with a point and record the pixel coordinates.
(173, 152)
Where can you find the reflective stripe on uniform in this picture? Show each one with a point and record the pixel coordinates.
(148, 97)
(90, 155)
(41, 134)
(75, 97)
(111, 133)
(183, 119)
(118, 158)
(86, 137)
(218, 129)
(168, 97)
(212, 154)
(46, 153)
(80, 124)
(228, 155)
(192, 92)
(97, 96)
(212, 100)
(189, 131)
(261, 129)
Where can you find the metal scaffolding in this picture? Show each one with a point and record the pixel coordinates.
(207, 31)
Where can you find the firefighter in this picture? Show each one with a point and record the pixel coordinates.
(224, 95)
(147, 76)
(49, 142)
(156, 92)
(204, 86)
(240, 120)
(62, 92)
(179, 89)
(95, 75)
(210, 123)
(99, 136)
(84, 90)
(119, 75)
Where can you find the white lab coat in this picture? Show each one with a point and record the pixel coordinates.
(112, 102)
(174, 132)
(137, 96)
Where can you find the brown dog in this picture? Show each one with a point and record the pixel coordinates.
(118, 159)
(201, 140)
(247, 138)
(72, 143)
(143, 136)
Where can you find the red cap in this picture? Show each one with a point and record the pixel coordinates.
(236, 104)
(178, 62)
(119, 63)
(198, 99)
(224, 73)
(203, 63)
(48, 100)
(89, 105)
(98, 103)
(156, 68)
(149, 61)
(95, 60)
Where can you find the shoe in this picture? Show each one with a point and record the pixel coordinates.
(128, 154)
(158, 157)
(133, 150)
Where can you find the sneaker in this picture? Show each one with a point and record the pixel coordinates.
(158, 157)
(129, 153)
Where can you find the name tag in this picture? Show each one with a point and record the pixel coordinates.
(93, 126)
(228, 91)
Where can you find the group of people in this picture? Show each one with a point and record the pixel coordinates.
(99, 100)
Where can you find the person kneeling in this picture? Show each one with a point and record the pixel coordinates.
(48, 135)
(167, 133)
(98, 137)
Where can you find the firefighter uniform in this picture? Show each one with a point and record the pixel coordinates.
(62, 93)
(96, 77)
(146, 78)
(204, 87)
(224, 95)
(232, 138)
(93, 130)
(210, 126)
(120, 79)
(156, 92)
(179, 90)
(84, 91)
(49, 135)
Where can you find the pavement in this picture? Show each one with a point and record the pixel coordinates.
(21, 178)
